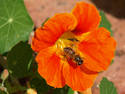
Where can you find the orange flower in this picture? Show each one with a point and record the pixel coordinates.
(72, 49)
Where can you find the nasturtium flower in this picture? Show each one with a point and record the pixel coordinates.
(79, 33)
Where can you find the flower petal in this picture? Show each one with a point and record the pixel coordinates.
(98, 48)
(38, 43)
(50, 68)
(52, 30)
(87, 16)
(78, 79)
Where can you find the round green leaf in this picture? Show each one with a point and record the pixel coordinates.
(38, 83)
(20, 60)
(104, 21)
(15, 24)
(107, 87)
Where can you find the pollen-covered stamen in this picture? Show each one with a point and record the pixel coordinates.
(63, 43)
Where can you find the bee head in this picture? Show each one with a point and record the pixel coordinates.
(78, 59)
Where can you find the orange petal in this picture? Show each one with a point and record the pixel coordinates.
(52, 30)
(50, 68)
(37, 44)
(87, 16)
(98, 48)
(78, 79)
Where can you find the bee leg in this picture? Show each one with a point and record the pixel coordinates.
(73, 39)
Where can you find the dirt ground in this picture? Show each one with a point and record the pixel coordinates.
(39, 10)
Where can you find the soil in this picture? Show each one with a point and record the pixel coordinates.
(39, 10)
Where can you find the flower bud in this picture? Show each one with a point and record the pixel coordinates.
(4, 74)
(31, 91)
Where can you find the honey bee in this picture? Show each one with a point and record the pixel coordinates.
(70, 53)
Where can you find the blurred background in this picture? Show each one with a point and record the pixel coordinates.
(39, 10)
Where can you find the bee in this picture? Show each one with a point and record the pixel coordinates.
(70, 53)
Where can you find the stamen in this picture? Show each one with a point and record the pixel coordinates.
(67, 49)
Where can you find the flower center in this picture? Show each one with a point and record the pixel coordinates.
(66, 40)
(67, 48)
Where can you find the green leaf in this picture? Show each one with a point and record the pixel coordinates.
(107, 87)
(39, 84)
(15, 24)
(70, 91)
(112, 62)
(63, 90)
(104, 22)
(13, 87)
(19, 60)
(2, 92)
